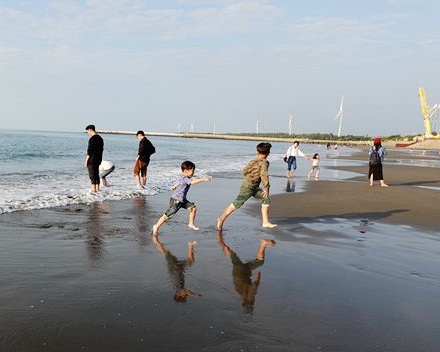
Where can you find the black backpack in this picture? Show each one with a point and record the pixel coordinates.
(375, 158)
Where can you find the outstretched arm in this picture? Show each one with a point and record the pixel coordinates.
(199, 180)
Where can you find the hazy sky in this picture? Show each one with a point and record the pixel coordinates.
(152, 64)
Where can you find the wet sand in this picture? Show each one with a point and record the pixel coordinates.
(345, 275)
(403, 203)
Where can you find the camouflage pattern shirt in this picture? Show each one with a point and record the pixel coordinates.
(256, 172)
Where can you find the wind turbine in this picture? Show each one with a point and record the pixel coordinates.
(340, 116)
(290, 123)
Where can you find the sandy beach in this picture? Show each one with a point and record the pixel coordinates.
(354, 269)
(404, 202)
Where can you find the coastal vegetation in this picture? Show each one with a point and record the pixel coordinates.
(321, 136)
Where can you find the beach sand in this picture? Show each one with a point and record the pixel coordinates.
(404, 202)
(354, 269)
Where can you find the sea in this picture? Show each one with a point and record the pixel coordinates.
(46, 169)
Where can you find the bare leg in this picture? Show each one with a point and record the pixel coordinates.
(144, 180)
(159, 223)
(371, 180)
(317, 173)
(192, 217)
(265, 216)
(310, 173)
(104, 181)
(262, 249)
(95, 187)
(228, 211)
(383, 184)
(138, 181)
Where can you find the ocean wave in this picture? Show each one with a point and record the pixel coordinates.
(61, 189)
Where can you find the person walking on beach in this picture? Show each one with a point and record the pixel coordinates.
(242, 272)
(105, 169)
(255, 172)
(146, 149)
(94, 156)
(178, 199)
(377, 155)
(315, 166)
(177, 268)
(292, 154)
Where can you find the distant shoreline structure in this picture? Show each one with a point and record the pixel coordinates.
(240, 137)
(427, 144)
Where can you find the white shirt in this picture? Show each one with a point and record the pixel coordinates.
(105, 165)
(292, 151)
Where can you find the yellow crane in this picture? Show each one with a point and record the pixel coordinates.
(428, 112)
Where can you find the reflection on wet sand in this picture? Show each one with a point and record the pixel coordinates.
(140, 212)
(290, 187)
(242, 272)
(95, 229)
(177, 269)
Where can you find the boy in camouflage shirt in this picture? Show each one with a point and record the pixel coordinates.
(255, 172)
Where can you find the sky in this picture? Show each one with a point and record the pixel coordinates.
(160, 64)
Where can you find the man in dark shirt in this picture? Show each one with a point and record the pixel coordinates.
(94, 156)
(146, 148)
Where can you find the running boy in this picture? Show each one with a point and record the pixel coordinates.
(315, 166)
(255, 172)
(178, 199)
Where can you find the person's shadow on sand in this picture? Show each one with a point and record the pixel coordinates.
(177, 269)
(242, 272)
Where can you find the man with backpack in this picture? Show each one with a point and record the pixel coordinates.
(377, 155)
(146, 149)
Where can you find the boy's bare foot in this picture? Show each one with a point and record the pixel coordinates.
(155, 230)
(194, 227)
(267, 243)
(269, 225)
(219, 224)
(384, 185)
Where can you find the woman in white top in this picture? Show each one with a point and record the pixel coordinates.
(291, 154)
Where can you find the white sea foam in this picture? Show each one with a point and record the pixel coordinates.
(45, 191)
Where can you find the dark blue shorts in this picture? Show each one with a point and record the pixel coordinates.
(291, 163)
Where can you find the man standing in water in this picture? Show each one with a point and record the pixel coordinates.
(94, 156)
(146, 148)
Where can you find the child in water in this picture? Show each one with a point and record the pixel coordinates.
(315, 166)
